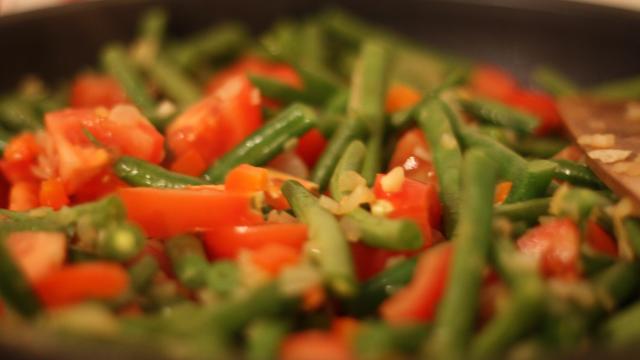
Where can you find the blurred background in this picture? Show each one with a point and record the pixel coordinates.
(13, 6)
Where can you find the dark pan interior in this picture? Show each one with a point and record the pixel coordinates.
(589, 43)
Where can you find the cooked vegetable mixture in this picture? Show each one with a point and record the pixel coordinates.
(326, 190)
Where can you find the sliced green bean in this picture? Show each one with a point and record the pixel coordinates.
(188, 260)
(622, 328)
(382, 341)
(472, 238)
(579, 204)
(264, 338)
(350, 129)
(138, 172)
(5, 137)
(220, 40)
(173, 82)
(121, 242)
(266, 142)
(277, 90)
(534, 182)
(528, 211)
(350, 161)
(372, 163)
(496, 113)
(576, 174)
(143, 272)
(554, 82)
(223, 277)
(330, 247)
(117, 63)
(433, 118)
(624, 89)
(18, 115)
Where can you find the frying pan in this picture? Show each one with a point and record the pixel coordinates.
(589, 43)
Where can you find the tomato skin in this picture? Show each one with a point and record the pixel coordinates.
(556, 245)
(101, 185)
(93, 90)
(190, 163)
(314, 345)
(72, 284)
(599, 240)
(418, 301)
(539, 104)
(227, 242)
(20, 155)
(416, 201)
(218, 122)
(492, 82)
(4, 193)
(37, 253)
(273, 258)
(52, 194)
(400, 97)
(24, 196)
(167, 212)
(413, 154)
(310, 146)
(502, 192)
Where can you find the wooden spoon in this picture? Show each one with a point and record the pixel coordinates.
(609, 134)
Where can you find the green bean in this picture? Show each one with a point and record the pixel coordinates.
(534, 182)
(496, 113)
(5, 136)
(369, 86)
(173, 82)
(220, 40)
(383, 341)
(576, 174)
(277, 90)
(320, 86)
(593, 261)
(579, 204)
(282, 41)
(14, 287)
(523, 310)
(18, 115)
(153, 25)
(372, 163)
(382, 285)
(222, 277)
(350, 161)
(330, 247)
(138, 172)
(117, 63)
(624, 89)
(188, 260)
(121, 242)
(542, 147)
(528, 210)
(391, 234)
(266, 142)
(313, 46)
(512, 165)
(350, 129)
(554, 82)
(264, 339)
(622, 328)
(456, 315)
(433, 118)
(631, 235)
(143, 272)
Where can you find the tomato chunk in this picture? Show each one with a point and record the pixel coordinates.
(493, 82)
(52, 194)
(556, 245)
(93, 90)
(400, 97)
(81, 282)
(37, 253)
(418, 301)
(412, 153)
(227, 242)
(273, 258)
(314, 345)
(167, 212)
(599, 240)
(539, 104)
(310, 146)
(24, 196)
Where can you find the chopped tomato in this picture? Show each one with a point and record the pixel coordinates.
(255, 65)
(502, 191)
(52, 194)
(189, 163)
(310, 146)
(227, 242)
(99, 186)
(539, 104)
(400, 97)
(274, 257)
(76, 283)
(571, 152)
(493, 294)
(19, 158)
(314, 345)
(599, 240)
(556, 245)
(218, 122)
(93, 90)
(345, 328)
(493, 82)
(247, 178)
(24, 196)
(167, 212)
(412, 153)
(4, 193)
(122, 130)
(418, 301)
(313, 298)
(416, 201)
(36, 253)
